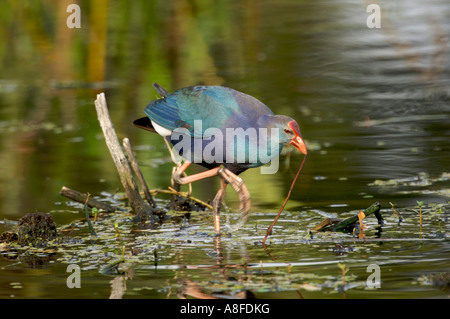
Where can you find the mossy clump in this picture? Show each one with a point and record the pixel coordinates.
(36, 229)
(183, 204)
(442, 281)
(8, 237)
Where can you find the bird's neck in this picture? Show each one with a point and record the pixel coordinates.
(271, 138)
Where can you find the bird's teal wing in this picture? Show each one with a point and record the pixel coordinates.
(213, 105)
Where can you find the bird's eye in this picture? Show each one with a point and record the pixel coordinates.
(287, 131)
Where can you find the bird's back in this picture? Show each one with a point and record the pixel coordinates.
(213, 107)
(216, 106)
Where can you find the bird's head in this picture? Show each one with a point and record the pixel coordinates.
(292, 131)
(289, 132)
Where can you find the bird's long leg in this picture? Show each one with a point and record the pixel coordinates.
(179, 179)
(177, 162)
(228, 176)
(217, 203)
(244, 196)
(182, 180)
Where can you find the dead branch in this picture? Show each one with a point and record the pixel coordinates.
(137, 171)
(81, 198)
(138, 205)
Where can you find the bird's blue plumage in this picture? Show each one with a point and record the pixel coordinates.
(215, 106)
(223, 109)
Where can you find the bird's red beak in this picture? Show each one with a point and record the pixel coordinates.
(297, 141)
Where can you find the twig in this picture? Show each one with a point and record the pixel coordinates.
(81, 198)
(88, 219)
(137, 171)
(269, 230)
(186, 195)
(123, 168)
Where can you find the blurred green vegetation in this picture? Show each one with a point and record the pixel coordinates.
(50, 75)
(313, 60)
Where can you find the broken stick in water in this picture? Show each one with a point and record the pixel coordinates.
(137, 171)
(81, 198)
(139, 206)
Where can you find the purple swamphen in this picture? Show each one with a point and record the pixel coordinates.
(222, 129)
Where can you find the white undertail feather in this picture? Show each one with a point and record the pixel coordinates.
(161, 130)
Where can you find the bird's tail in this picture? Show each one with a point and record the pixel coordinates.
(161, 91)
(144, 123)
